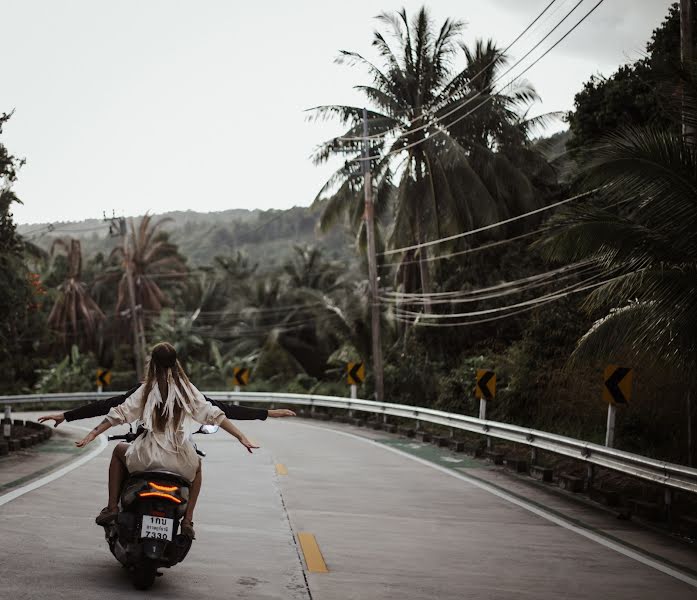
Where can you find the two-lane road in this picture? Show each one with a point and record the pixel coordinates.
(388, 526)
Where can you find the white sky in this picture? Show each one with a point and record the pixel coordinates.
(157, 105)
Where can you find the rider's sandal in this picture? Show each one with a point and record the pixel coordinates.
(107, 516)
(187, 529)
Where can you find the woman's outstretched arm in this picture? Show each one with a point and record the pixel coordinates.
(99, 429)
(228, 426)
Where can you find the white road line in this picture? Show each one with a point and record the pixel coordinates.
(25, 489)
(540, 512)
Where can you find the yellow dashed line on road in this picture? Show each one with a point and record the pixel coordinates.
(281, 469)
(313, 557)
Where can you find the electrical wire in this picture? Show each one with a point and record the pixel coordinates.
(464, 293)
(463, 252)
(510, 290)
(458, 236)
(535, 301)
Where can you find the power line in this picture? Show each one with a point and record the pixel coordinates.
(463, 252)
(573, 289)
(484, 294)
(498, 286)
(490, 226)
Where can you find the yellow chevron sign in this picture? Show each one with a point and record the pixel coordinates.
(355, 373)
(240, 376)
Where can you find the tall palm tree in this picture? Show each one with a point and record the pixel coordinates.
(427, 166)
(75, 314)
(307, 269)
(641, 230)
(154, 262)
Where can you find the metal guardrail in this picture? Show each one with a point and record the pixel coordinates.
(664, 473)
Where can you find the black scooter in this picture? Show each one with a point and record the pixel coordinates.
(146, 533)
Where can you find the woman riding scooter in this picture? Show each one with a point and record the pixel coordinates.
(167, 404)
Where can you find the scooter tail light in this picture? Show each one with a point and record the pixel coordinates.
(164, 495)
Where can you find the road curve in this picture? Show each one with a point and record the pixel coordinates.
(387, 527)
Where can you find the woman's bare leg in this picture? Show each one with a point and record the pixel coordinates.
(194, 491)
(117, 474)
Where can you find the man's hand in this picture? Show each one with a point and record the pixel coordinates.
(58, 418)
(281, 412)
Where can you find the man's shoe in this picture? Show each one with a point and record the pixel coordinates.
(106, 517)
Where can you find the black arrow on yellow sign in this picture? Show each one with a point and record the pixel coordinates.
(618, 385)
(355, 373)
(240, 376)
(103, 377)
(486, 384)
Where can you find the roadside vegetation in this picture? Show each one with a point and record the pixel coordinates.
(546, 301)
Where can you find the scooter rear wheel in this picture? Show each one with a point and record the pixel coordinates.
(144, 576)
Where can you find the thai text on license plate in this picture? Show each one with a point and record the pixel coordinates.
(159, 528)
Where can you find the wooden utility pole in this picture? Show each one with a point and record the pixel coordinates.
(369, 217)
(686, 57)
(118, 227)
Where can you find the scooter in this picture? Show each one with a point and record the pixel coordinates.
(146, 534)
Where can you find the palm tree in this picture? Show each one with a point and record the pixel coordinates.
(75, 314)
(307, 269)
(431, 165)
(641, 230)
(154, 263)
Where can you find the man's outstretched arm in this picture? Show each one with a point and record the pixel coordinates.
(99, 408)
(246, 413)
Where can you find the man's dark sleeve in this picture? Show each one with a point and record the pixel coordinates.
(98, 407)
(240, 413)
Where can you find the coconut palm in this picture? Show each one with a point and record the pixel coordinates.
(641, 229)
(75, 314)
(431, 152)
(307, 269)
(154, 263)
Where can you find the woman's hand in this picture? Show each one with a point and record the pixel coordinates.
(58, 418)
(86, 440)
(247, 444)
(280, 412)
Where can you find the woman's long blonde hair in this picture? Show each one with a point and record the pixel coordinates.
(163, 362)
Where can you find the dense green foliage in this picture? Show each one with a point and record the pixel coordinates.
(285, 292)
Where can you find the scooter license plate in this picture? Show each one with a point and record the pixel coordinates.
(159, 528)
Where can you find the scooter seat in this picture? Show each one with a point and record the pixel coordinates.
(166, 475)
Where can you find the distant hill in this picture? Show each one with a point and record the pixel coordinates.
(267, 237)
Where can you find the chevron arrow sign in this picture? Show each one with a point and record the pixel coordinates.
(103, 377)
(486, 384)
(617, 388)
(355, 373)
(240, 376)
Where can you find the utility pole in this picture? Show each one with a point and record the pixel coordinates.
(686, 58)
(118, 227)
(369, 216)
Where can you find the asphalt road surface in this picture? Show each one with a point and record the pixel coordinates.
(392, 520)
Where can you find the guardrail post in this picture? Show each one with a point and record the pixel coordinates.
(667, 503)
(533, 456)
(7, 423)
(610, 433)
(590, 475)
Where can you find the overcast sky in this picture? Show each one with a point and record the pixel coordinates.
(157, 105)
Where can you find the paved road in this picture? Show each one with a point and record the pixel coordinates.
(388, 526)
